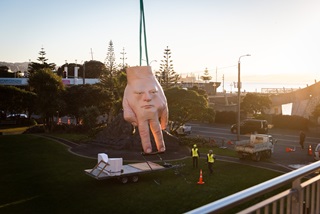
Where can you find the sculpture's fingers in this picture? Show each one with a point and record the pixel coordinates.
(164, 118)
(157, 134)
(145, 136)
(128, 113)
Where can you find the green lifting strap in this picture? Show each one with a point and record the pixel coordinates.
(143, 25)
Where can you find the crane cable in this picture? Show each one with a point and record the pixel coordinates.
(143, 25)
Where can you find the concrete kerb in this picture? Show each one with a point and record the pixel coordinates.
(62, 142)
(70, 145)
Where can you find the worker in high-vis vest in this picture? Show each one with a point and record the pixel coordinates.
(195, 154)
(210, 160)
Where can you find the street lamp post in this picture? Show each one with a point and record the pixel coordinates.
(83, 72)
(239, 97)
(152, 62)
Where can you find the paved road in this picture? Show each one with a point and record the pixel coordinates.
(280, 158)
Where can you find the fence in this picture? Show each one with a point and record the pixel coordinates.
(302, 197)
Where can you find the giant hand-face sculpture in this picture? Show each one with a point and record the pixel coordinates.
(144, 103)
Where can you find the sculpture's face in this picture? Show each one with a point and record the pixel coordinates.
(145, 95)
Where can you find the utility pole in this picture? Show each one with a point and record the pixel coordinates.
(223, 82)
(91, 53)
(216, 74)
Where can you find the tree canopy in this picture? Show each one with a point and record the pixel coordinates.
(185, 105)
(115, 84)
(255, 104)
(78, 97)
(34, 66)
(17, 100)
(47, 86)
(89, 69)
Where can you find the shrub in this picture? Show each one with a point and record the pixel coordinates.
(200, 141)
(228, 117)
(290, 122)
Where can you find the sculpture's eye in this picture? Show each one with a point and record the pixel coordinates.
(154, 91)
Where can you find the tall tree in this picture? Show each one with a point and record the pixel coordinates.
(166, 75)
(110, 60)
(17, 100)
(77, 97)
(113, 79)
(206, 76)
(116, 85)
(48, 87)
(34, 66)
(92, 69)
(185, 105)
(89, 117)
(123, 58)
(255, 104)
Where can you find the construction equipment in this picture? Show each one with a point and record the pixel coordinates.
(257, 147)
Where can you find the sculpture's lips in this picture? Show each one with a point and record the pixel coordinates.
(147, 106)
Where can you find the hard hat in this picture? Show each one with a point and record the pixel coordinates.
(194, 145)
(210, 151)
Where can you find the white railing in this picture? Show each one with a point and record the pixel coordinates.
(302, 197)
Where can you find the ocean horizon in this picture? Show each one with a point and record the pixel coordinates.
(259, 86)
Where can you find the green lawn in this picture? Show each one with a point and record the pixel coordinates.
(40, 176)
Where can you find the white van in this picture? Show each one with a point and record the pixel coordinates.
(317, 152)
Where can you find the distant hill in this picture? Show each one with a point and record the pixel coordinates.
(17, 66)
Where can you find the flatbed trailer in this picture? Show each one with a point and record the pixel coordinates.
(113, 168)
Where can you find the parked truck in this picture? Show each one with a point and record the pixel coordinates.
(257, 147)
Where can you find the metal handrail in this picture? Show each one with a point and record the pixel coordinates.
(257, 190)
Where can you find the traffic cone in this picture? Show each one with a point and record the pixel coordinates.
(290, 150)
(200, 179)
(310, 150)
(230, 143)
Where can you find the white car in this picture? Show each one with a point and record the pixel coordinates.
(317, 152)
(184, 130)
(17, 116)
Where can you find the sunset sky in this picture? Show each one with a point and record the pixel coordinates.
(282, 36)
